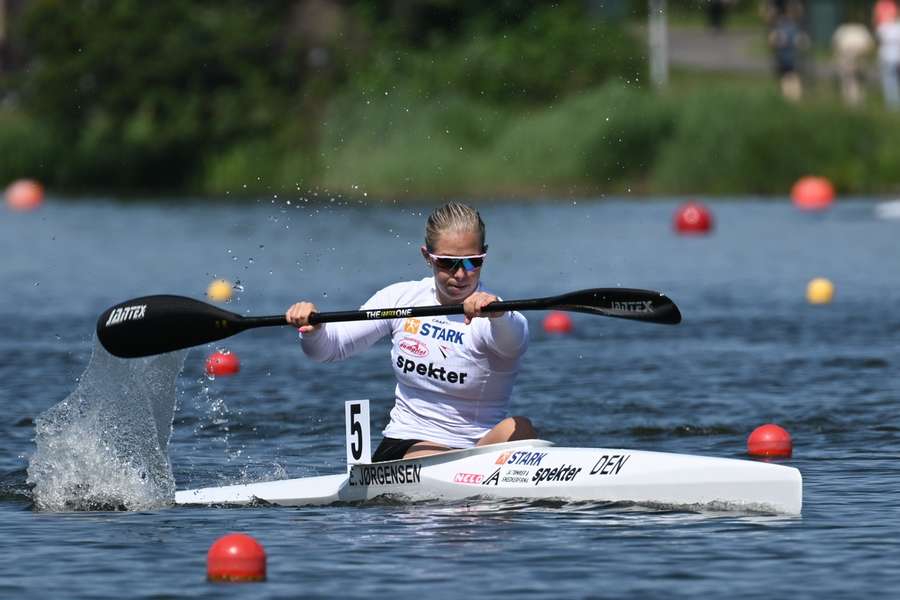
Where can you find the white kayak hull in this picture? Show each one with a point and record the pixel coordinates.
(535, 469)
(888, 210)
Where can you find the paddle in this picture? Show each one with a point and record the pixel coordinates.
(156, 324)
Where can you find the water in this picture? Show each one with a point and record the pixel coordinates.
(750, 351)
(105, 447)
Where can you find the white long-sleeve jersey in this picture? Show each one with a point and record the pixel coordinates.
(454, 380)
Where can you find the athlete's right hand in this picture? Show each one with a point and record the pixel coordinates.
(298, 315)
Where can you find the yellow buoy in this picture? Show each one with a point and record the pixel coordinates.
(219, 290)
(819, 291)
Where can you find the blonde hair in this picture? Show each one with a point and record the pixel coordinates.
(453, 216)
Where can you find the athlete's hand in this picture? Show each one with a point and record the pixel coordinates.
(298, 315)
(474, 305)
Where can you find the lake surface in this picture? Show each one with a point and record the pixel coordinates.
(751, 350)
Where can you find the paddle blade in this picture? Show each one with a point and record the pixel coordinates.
(156, 324)
(622, 303)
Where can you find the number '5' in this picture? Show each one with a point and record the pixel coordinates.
(356, 429)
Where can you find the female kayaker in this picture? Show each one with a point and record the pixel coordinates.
(455, 373)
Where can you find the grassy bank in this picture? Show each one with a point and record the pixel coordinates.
(522, 99)
(726, 139)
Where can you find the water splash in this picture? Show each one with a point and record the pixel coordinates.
(106, 445)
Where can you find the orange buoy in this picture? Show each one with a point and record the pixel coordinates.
(222, 363)
(812, 193)
(236, 557)
(557, 322)
(693, 218)
(24, 195)
(770, 440)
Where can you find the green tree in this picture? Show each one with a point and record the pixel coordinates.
(140, 92)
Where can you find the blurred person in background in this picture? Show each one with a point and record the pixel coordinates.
(884, 11)
(852, 43)
(770, 9)
(716, 13)
(787, 40)
(889, 61)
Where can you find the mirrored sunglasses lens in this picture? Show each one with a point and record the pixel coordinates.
(453, 264)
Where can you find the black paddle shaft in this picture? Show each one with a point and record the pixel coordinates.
(155, 324)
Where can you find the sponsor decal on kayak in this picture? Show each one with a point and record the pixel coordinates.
(412, 325)
(638, 306)
(494, 479)
(516, 476)
(473, 478)
(531, 459)
(413, 347)
(554, 474)
(388, 314)
(444, 334)
(126, 313)
(385, 474)
(610, 465)
(429, 370)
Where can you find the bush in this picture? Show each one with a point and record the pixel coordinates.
(258, 167)
(720, 140)
(885, 176)
(557, 50)
(522, 97)
(142, 91)
(729, 140)
(27, 149)
(401, 144)
(459, 146)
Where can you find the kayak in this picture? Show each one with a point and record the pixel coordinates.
(538, 470)
(888, 210)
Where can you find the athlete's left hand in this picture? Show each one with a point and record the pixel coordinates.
(474, 305)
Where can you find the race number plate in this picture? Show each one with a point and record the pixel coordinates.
(359, 443)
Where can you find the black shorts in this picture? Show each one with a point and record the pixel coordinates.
(392, 449)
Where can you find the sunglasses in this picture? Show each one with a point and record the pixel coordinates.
(453, 263)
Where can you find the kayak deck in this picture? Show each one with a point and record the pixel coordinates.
(535, 469)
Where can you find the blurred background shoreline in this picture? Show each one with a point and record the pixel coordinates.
(409, 99)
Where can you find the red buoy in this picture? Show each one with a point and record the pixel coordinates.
(770, 440)
(557, 322)
(222, 363)
(24, 195)
(812, 193)
(693, 218)
(236, 557)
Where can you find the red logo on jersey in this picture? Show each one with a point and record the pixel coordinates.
(413, 347)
